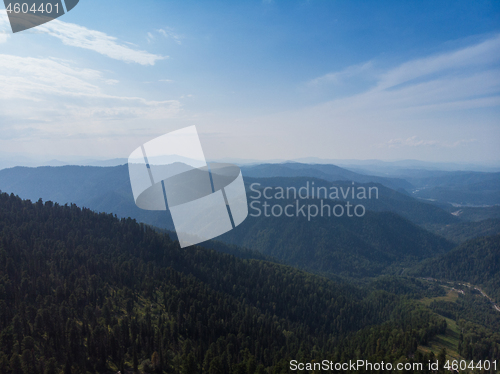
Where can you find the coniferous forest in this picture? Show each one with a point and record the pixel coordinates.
(82, 292)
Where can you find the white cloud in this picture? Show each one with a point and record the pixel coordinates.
(32, 78)
(81, 37)
(467, 76)
(3, 37)
(482, 54)
(4, 22)
(341, 76)
(168, 32)
(55, 98)
(479, 56)
(166, 80)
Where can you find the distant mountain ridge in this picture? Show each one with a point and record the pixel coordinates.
(107, 189)
(321, 171)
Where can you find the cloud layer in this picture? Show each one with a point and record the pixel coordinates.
(56, 98)
(78, 36)
(444, 106)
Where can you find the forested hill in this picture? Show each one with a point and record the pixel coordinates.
(388, 200)
(376, 243)
(86, 292)
(476, 261)
(103, 189)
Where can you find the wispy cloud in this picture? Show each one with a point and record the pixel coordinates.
(343, 75)
(97, 41)
(431, 107)
(469, 76)
(79, 36)
(483, 55)
(480, 56)
(4, 22)
(414, 141)
(4, 27)
(31, 78)
(169, 33)
(55, 97)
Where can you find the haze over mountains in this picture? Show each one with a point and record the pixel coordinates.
(371, 167)
(108, 189)
(464, 185)
(385, 239)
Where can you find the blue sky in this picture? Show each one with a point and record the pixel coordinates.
(384, 80)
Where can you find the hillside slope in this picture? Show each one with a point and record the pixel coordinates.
(476, 261)
(349, 246)
(388, 200)
(86, 292)
(459, 187)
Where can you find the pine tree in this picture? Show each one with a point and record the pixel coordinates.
(15, 364)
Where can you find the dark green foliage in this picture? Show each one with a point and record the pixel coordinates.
(376, 243)
(463, 231)
(476, 261)
(478, 322)
(478, 342)
(410, 287)
(81, 291)
(472, 307)
(389, 200)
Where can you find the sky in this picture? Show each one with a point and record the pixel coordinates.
(387, 80)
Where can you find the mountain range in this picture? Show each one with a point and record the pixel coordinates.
(82, 291)
(368, 246)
